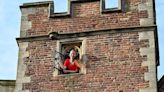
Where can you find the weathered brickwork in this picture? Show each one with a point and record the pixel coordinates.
(115, 64)
(121, 50)
(84, 18)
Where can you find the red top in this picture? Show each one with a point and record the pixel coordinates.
(73, 66)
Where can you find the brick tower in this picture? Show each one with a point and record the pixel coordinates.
(118, 47)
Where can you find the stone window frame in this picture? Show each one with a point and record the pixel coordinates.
(69, 41)
(115, 9)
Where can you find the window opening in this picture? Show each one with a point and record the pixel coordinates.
(68, 60)
(60, 6)
(111, 4)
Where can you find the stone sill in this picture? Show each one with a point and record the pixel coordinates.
(67, 75)
(58, 15)
(110, 10)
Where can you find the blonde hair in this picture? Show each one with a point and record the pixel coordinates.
(71, 52)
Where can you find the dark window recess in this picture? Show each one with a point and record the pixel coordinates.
(65, 49)
(64, 55)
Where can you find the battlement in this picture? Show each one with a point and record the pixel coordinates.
(71, 8)
(88, 14)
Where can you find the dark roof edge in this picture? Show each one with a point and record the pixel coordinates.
(161, 82)
(154, 10)
(157, 47)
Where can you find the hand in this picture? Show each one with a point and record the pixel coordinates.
(76, 70)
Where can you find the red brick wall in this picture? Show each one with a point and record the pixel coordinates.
(114, 59)
(114, 66)
(86, 17)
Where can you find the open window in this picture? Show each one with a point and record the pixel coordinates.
(62, 55)
(59, 4)
(111, 5)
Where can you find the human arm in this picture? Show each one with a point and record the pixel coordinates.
(62, 66)
(77, 64)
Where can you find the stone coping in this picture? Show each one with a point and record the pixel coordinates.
(7, 82)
